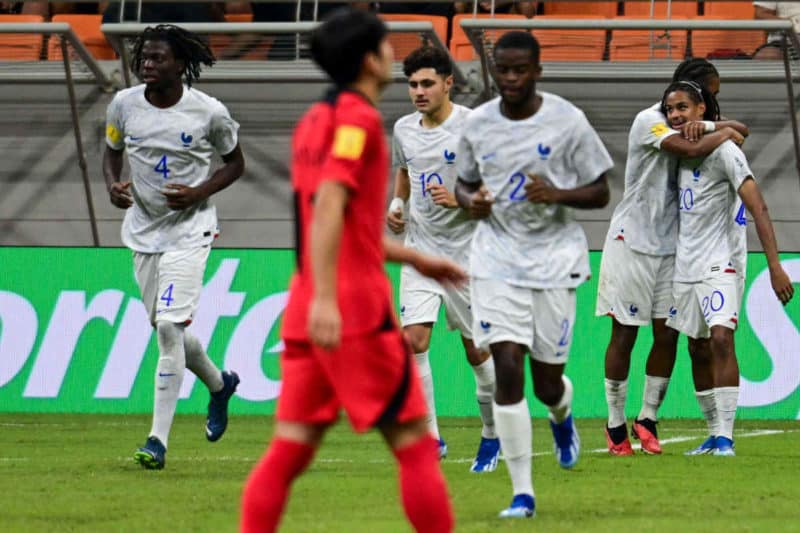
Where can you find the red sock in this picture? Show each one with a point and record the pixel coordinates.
(267, 488)
(422, 487)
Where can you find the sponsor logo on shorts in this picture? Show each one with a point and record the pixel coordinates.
(672, 311)
(488, 156)
(633, 309)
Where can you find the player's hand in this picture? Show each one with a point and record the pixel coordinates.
(394, 219)
(693, 131)
(442, 270)
(441, 196)
(480, 203)
(120, 194)
(781, 284)
(737, 137)
(540, 191)
(324, 323)
(181, 196)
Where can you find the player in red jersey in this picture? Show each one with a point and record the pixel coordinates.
(344, 349)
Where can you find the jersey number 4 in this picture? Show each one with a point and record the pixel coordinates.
(162, 167)
(166, 296)
(741, 219)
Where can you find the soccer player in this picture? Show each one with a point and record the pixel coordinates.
(424, 153)
(170, 131)
(637, 264)
(525, 158)
(711, 255)
(343, 346)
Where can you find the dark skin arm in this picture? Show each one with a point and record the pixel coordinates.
(677, 145)
(118, 191)
(591, 196)
(183, 196)
(694, 131)
(474, 198)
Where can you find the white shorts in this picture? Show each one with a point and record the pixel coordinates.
(634, 288)
(171, 283)
(712, 302)
(540, 319)
(420, 298)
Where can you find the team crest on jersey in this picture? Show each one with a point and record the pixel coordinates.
(449, 157)
(485, 326)
(186, 139)
(544, 152)
(696, 174)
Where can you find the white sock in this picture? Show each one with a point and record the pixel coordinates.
(484, 381)
(201, 366)
(560, 411)
(616, 394)
(425, 374)
(727, 400)
(708, 405)
(169, 376)
(655, 388)
(513, 424)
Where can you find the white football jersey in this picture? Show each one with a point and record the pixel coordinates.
(164, 146)
(429, 155)
(530, 245)
(712, 237)
(647, 216)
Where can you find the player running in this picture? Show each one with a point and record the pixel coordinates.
(344, 349)
(711, 256)
(525, 158)
(424, 153)
(170, 131)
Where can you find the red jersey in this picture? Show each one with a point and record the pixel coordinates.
(342, 139)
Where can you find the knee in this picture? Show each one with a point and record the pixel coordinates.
(418, 338)
(623, 337)
(699, 351)
(549, 393)
(169, 335)
(509, 379)
(666, 338)
(721, 342)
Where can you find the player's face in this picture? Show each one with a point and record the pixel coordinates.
(516, 74)
(712, 83)
(429, 90)
(385, 60)
(681, 109)
(159, 68)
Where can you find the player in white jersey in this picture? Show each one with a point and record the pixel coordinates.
(636, 269)
(525, 159)
(170, 131)
(711, 255)
(424, 153)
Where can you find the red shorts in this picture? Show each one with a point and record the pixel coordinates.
(372, 377)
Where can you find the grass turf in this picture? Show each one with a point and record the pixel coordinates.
(76, 473)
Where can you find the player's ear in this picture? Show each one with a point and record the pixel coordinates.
(448, 83)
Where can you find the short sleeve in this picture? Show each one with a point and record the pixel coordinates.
(354, 134)
(466, 164)
(590, 158)
(115, 130)
(735, 164)
(223, 131)
(650, 129)
(398, 157)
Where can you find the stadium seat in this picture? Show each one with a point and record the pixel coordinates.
(20, 46)
(219, 42)
(644, 45)
(238, 17)
(598, 9)
(461, 48)
(571, 45)
(405, 43)
(677, 9)
(724, 43)
(87, 28)
(729, 10)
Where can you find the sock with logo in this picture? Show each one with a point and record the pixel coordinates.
(484, 380)
(513, 425)
(655, 388)
(727, 399)
(423, 489)
(169, 377)
(616, 394)
(561, 410)
(425, 374)
(200, 365)
(267, 488)
(708, 405)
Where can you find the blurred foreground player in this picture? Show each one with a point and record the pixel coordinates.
(344, 349)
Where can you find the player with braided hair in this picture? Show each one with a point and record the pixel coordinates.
(170, 132)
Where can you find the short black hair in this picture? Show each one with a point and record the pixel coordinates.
(185, 46)
(428, 57)
(344, 38)
(697, 93)
(519, 40)
(699, 70)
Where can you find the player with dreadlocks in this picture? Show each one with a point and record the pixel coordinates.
(170, 132)
(638, 260)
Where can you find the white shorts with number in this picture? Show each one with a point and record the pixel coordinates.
(634, 288)
(171, 283)
(714, 301)
(420, 298)
(540, 319)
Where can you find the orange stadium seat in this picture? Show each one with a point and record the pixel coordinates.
(643, 45)
(461, 48)
(405, 43)
(598, 9)
(571, 45)
(729, 10)
(677, 9)
(87, 28)
(219, 42)
(238, 17)
(705, 42)
(20, 46)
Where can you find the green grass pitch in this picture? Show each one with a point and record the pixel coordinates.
(75, 473)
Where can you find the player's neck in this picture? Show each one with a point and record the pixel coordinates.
(522, 110)
(436, 119)
(368, 88)
(164, 97)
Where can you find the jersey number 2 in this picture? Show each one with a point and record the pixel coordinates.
(162, 167)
